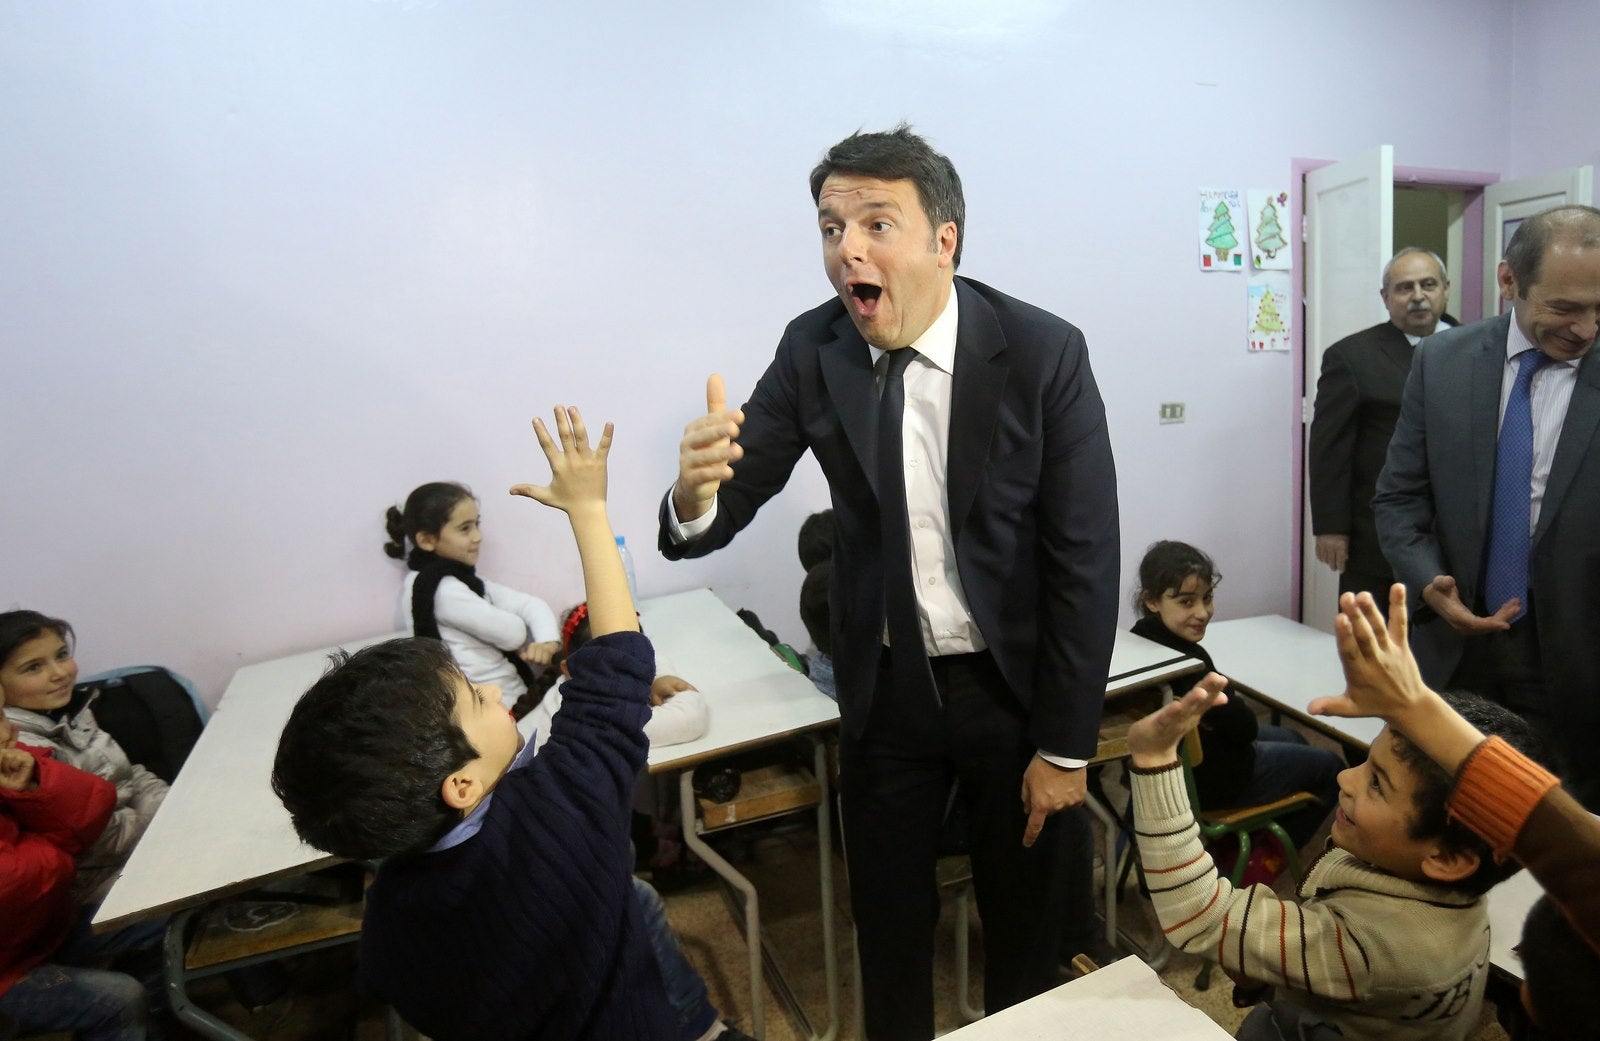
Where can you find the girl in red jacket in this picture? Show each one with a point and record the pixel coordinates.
(49, 812)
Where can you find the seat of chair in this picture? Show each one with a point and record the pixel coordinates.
(1250, 817)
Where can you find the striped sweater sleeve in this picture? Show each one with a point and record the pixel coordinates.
(1249, 932)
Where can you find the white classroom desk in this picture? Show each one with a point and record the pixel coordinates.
(1284, 665)
(1124, 1001)
(221, 829)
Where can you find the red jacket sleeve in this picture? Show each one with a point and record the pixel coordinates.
(67, 808)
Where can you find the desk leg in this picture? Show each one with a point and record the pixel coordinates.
(752, 913)
(752, 907)
(1109, 855)
(830, 950)
(177, 977)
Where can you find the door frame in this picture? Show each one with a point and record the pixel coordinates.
(1471, 303)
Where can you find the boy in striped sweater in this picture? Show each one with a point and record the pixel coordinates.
(1390, 936)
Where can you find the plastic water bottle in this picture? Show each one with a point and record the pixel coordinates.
(627, 568)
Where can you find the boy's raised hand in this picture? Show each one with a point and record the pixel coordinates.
(1381, 675)
(8, 732)
(577, 472)
(1153, 740)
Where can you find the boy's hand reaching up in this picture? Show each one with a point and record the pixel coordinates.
(1153, 740)
(577, 472)
(578, 487)
(1381, 676)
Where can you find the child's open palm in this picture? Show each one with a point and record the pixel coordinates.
(577, 472)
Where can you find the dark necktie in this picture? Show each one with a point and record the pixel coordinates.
(910, 659)
(1506, 573)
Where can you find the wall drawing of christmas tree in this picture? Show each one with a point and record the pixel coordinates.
(1268, 330)
(1222, 229)
(1268, 209)
(1221, 238)
(1269, 234)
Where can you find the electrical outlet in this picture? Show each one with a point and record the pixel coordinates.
(1172, 412)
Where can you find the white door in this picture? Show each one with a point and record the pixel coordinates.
(1349, 237)
(1507, 203)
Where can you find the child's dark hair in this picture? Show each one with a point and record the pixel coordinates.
(1431, 819)
(1167, 565)
(427, 509)
(18, 627)
(816, 539)
(814, 605)
(1559, 968)
(362, 759)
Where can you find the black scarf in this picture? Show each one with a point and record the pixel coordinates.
(432, 569)
(1227, 732)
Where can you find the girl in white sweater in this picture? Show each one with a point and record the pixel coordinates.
(495, 633)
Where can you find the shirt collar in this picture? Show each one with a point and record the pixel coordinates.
(473, 821)
(1516, 344)
(937, 344)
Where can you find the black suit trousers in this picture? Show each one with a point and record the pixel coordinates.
(895, 782)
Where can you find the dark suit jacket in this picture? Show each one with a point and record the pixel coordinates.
(1031, 488)
(1358, 402)
(1433, 503)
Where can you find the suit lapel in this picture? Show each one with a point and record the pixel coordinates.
(1577, 431)
(1488, 368)
(979, 380)
(1396, 351)
(846, 364)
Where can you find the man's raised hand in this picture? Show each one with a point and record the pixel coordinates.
(706, 454)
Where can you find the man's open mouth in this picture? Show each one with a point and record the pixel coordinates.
(866, 297)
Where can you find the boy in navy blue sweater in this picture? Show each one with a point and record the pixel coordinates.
(505, 908)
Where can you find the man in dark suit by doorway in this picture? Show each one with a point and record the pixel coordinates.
(1358, 401)
(976, 562)
(1489, 504)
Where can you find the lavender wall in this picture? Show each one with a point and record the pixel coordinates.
(264, 268)
(1553, 119)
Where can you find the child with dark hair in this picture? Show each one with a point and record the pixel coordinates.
(1559, 970)
(1390, 936)
(498, 635)
(815, 542)
(506, 907)
(1243, 762)
(38, 674)
(815, 614)
(1517, 806)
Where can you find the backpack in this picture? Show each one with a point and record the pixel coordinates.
(152, 713)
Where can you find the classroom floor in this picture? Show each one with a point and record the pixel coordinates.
(782, 862)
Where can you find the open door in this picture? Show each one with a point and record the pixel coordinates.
(1349, 237)
(1507, 203)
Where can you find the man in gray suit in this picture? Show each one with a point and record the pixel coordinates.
(1489, 504)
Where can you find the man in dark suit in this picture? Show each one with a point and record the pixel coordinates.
(1358, 401)
(1489, 504)
(976, 562)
